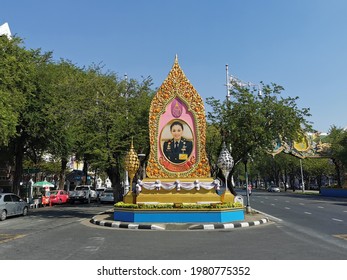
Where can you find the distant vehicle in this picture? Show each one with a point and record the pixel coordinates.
(313, 187)
(58, 197)
(107, 196)
(273, 189)
(83, 193)
(100, 191)
(12, 205)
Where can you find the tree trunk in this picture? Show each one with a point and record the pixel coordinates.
(85, 171)
(62, 173)
(338, 172)
(113, 172)
(18, 172)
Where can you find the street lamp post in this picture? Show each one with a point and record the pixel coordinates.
(248, 206)
(302, 177)
(126, 179)
(232, 81)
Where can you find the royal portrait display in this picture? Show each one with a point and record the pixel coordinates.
(177, 170)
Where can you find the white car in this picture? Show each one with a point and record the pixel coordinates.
(100, 191)
(107, 196)
(273, 189)
(12, 205)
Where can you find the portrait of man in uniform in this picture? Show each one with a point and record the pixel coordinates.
(178, 148)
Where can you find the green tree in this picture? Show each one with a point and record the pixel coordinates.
(14, 67)
(19, 76)
(250, 124)
(337, 137)
(61, 83)
(108, 113)
(213, 146)
(316, 168)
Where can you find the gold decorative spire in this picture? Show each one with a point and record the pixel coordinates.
(132, 162)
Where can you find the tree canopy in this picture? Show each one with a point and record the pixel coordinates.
(250, 124)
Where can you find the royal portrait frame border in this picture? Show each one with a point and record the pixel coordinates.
(176, 85)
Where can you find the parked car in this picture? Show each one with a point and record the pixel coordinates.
(273, 188)
(107, 196)
(100, 191)
(12, 205)
(58, 197)
(83, 193)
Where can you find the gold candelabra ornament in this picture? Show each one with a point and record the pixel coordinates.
(132, 162)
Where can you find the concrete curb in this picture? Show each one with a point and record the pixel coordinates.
(218, 226)
(229, 225)
(123, 225)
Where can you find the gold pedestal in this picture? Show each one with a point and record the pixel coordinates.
(175, 196)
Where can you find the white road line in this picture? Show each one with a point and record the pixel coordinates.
(321, 207)
(308, 213)
(302, 203)
(337, 220)
(269, 216)
(287, 201)
(287, 208)
(272, 204)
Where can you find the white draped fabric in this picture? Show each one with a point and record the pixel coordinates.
(157, 185)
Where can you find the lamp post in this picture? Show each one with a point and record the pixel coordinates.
(302, 177)
(248, 205)
(232, 81)
(126, 179)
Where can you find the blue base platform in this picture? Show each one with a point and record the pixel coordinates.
(179, 216)
(333, 192)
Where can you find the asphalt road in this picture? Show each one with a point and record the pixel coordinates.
(65, 233)
(322, 217)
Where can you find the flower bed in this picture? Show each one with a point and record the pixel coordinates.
(182, 213)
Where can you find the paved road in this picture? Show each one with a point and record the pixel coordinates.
(324, 218)
(65, 233)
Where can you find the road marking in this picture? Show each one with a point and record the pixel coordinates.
(272, 204)
(337, 220)
(91, 248)
(287, 208)
(9, 237)
(269, 216)
(287, 201)
(308, 213)
(276, 199)
(302, 203)
(343, 236)
(321, 207)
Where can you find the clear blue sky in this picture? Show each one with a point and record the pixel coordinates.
(299, 44)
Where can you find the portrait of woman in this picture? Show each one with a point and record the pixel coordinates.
(177, 149)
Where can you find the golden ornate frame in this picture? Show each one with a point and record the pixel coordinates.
(176, 85)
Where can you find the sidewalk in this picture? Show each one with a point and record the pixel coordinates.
(252, 219)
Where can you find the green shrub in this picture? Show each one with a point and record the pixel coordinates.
(179, 205)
